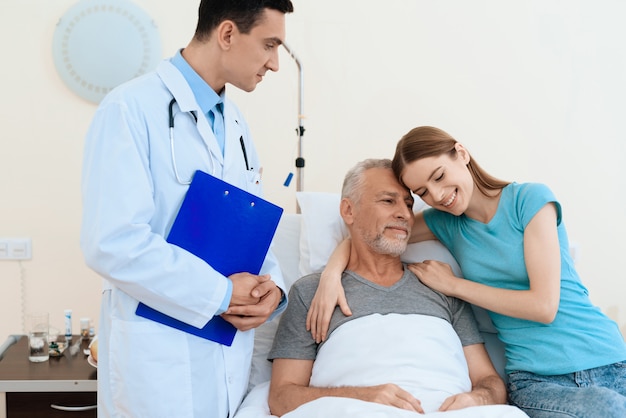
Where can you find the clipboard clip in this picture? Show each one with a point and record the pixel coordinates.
(227, 192)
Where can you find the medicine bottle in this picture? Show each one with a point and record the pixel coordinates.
(84, 328)
(68, 325)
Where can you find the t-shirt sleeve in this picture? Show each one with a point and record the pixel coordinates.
(292, 340)
(464, 323)
(443, 225)
(531, 198)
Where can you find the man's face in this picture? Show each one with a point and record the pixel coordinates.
(383, 218)
(254, 53)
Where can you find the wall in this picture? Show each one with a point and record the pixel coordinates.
(535, 89)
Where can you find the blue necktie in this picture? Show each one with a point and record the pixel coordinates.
(216, 117)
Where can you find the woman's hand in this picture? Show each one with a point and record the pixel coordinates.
(329, 294)
(436, 275)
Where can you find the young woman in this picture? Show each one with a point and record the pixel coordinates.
(565, 358)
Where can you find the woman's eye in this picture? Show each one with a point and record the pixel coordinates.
(440, 177)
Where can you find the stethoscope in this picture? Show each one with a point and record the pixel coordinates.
(171, 125)
(172, 148)
(171, 128)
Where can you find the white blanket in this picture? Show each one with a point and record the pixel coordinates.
(422, 354)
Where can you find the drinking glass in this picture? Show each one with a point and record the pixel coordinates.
(37, 326)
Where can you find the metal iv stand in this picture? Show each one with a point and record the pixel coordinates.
(300, 129)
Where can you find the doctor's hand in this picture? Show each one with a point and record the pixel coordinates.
(246, 317)
(249, 288)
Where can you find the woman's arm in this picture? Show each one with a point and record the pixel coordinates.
(329, 293)
(543, 262)
(420, 231)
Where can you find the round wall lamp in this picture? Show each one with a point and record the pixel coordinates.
(99, 44)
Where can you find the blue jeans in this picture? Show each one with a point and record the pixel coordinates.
(593, 393)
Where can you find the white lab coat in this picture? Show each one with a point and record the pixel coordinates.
(130, 199)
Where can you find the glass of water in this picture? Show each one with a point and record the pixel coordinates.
(37, 326)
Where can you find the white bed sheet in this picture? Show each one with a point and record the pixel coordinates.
(255, 406)
(422, 354)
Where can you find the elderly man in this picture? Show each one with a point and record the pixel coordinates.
(405, 349)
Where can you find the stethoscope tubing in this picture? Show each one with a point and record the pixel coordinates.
(170, 109)
(172, 148)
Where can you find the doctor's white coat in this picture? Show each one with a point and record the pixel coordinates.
(130, 199)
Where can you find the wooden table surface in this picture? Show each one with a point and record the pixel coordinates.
(65, 373)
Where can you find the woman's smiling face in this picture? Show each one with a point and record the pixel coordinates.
(443, 182)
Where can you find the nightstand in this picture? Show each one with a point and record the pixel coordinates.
(64, 386)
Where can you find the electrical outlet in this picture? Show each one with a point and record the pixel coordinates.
(15, 249)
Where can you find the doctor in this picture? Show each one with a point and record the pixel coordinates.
(136, 172)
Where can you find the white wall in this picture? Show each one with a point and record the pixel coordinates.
(535, 89)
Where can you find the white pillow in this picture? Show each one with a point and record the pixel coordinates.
(322, 228)
(430, 250)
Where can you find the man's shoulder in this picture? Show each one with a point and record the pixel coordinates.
(141, 90)
(305, 283)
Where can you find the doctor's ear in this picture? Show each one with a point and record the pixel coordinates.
(225, 32)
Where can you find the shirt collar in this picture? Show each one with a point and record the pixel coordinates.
(206, 97)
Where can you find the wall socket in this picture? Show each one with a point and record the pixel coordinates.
(15, 249)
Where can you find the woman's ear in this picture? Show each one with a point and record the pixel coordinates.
(462, 153)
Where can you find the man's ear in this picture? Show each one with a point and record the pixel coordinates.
(346, 210)
(225, 32)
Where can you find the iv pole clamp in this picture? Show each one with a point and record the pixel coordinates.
(300, 129)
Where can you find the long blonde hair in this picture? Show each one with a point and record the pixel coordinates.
(428, 141)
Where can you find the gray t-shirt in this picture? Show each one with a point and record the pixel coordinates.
(407, 296)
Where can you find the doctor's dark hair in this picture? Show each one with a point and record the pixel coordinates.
(428, 141)
(355, 177)
(245, 13)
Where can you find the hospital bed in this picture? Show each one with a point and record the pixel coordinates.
(302, 245)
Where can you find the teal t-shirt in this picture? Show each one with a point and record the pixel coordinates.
(581, 336)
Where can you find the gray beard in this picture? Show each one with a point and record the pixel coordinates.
(383, 245)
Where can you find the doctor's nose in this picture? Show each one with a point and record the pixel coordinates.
(272, 63)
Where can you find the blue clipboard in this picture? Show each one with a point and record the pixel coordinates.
(229, 228)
